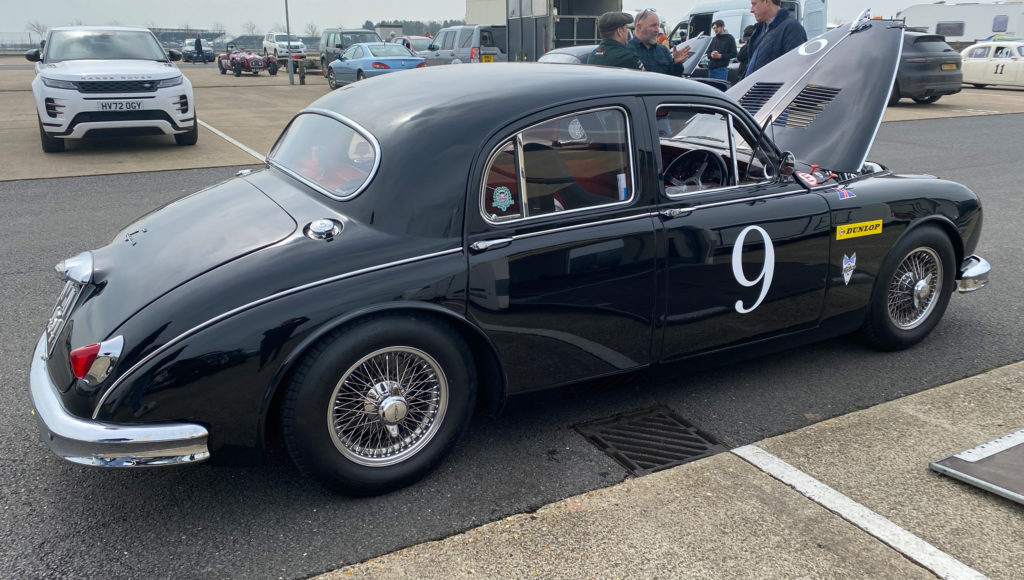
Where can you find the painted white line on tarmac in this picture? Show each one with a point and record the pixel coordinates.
(940, 563)
(233, 141)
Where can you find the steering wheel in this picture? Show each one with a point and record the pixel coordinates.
(689, 171)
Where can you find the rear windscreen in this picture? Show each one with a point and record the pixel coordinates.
(929, 45)
(494, 37)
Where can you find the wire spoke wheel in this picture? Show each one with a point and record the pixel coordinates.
(388, 406)
(914, 288)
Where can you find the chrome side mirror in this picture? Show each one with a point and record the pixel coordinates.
(787, 165)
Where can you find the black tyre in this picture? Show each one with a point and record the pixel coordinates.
(377, 404)
(912, 290)
(976, 85)
(50, 144)
(332, 81)
(360, 76)
(926, 100)
(220, 65)
(191, 137)
(236, 69)
(894, 96)
(272, 68)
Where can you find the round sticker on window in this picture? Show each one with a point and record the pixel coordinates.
(576, 130)
(502, 198)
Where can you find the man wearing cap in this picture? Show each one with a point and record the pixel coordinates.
(612, 50)
(655, 57)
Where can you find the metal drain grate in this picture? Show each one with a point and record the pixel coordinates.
(649, 440)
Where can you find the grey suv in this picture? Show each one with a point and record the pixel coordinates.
(334, 41)
(468, 44)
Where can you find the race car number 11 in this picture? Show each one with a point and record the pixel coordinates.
(767, 269)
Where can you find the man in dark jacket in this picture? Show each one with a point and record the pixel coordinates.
(722, 50)
(612, 50)
(199, 49)
(655, 57)
(775, 34)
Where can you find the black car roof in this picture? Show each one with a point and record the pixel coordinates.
(473, 99)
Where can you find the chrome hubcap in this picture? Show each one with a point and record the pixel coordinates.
(388, 406)
(914, 289)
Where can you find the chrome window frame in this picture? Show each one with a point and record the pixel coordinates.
(517, 138)
(729, 116)
(351, 125)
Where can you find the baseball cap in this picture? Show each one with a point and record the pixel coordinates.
(610, 21)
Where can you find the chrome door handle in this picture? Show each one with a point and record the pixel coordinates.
(674, 213)
(484, 245)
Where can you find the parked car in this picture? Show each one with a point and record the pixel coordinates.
(414, 43)
(335, 41)
(188, 49)
(283, 45)
(113, 80)
(468, 44)
(568, 55)
(365, 60)
(240, 61)
(994, 63)
(591, 221)
(929, 69)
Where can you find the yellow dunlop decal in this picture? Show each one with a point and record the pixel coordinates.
(858, 229)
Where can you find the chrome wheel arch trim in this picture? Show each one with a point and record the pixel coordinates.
(265, 300)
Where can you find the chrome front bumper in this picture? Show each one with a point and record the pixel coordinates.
(108, 444)
(973, 274)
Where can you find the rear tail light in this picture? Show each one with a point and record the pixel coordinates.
(422, 64)
(474, 54)
(380, 65)
(82, 359)
(920, 59)
(93, 362)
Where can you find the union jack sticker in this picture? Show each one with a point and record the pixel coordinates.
(844, 193)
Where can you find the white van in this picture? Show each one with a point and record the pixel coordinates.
(736, 15)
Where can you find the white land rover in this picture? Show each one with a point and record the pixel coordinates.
(109, 80)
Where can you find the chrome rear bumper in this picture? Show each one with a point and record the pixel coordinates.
(973, 274)
(108, 444)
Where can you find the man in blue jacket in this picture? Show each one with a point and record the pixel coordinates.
(775, 34)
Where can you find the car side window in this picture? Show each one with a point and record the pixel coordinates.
(1020, 49)
(348, 54)
(1003, 52)
(704, 149)
(449, 40)
(465, 37)
(978, 52)
(569, 163)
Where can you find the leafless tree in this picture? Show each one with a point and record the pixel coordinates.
(312, 29)
(36, 27)
(250, 28)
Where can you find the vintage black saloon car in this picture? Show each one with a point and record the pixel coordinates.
(401, 260)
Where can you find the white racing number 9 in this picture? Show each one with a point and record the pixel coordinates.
(767, 270)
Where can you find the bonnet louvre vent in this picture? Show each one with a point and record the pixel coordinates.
(758, 95)
(806, 107)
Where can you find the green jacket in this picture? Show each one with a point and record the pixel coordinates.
(613, 53)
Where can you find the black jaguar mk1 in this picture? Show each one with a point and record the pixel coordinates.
(515, 227)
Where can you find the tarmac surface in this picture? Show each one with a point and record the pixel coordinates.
(850, 496)
(858, 501)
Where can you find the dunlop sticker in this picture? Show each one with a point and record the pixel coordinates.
(858, 229)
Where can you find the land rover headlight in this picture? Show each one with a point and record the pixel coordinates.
(59, 84)
(173, 82)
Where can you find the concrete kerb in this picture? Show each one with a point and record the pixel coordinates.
(723, 517)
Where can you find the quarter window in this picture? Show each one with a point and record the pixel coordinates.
(569, 163)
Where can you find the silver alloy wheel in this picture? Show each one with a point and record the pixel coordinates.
(331, 80)
(914, 288)
(388, 406)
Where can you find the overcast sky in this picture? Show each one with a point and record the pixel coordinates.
(266, 14)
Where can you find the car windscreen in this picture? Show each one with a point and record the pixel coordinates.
(285, 37)
(327, 154)
(388, 50)
(103, 45)
(419, 44)
(559, 57)
(350, 38)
